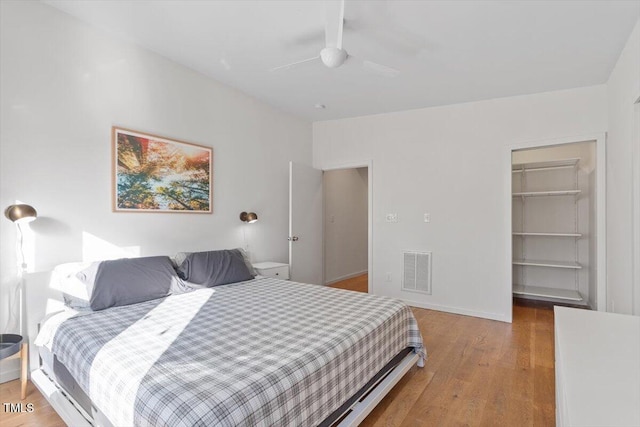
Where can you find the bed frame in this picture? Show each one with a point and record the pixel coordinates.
(42, 299)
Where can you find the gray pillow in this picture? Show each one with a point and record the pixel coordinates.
(181, 256)
(214, 268)
(131, 280)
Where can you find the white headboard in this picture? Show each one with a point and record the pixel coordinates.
(39, 299)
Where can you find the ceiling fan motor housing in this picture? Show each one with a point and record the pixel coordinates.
(333, 57)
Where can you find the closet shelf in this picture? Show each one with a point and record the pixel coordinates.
(547, 234)
(553, 264)
(543, 166)
(541, 291)
(547, 193)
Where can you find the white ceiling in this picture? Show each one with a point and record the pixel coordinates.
(446, 52)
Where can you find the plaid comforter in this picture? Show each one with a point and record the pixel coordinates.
(263, 352)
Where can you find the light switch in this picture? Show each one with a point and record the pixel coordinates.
(427, 217)
(392, 217)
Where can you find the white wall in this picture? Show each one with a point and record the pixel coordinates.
(345, 223)
(623, 140)
(64, 84)
(450, 161)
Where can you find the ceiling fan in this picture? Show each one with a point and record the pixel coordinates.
(333, 55)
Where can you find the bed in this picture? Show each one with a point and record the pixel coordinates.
(257, 352)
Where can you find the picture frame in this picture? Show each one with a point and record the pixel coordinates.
(151, 173)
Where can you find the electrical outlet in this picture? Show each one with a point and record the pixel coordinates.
(427, 217)
(387, 277)
(392, 217)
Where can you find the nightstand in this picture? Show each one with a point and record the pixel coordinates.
(13, 347)
(276, 270)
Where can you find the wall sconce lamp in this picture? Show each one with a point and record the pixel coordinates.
(20, 214)
(249, 217)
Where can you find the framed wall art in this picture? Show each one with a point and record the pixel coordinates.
(156, 174)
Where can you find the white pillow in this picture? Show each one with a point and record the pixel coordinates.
(179, 258)
(75, 293)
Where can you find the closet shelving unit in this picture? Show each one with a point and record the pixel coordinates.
(571, 296)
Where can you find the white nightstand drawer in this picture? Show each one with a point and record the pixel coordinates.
(277, 270)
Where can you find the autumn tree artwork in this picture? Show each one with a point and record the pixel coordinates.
(155, 174)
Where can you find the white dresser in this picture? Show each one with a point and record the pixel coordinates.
(277, 270)
(597, 368)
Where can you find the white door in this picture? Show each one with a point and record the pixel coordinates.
(305, 224)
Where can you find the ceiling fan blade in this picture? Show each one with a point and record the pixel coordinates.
(293, 64)
(380, 69)
(334, 24)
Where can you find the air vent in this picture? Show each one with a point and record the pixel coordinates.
(417, 272)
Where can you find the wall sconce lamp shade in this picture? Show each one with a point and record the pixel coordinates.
(249, 217)
(21, 213)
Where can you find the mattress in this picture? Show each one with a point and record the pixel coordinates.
(262, 352)
(60, 375)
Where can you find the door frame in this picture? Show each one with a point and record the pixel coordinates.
(601, 211)
(358, 164)
(635, 285)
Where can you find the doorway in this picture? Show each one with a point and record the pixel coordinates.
(307, 223)
(345, 226)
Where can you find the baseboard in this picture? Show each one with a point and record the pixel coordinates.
(9, 370)
(457, 310)
(6, 376)
(345, 277)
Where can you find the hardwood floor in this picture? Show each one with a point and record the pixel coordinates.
(358, 283)
(43, 414)
(479, 373)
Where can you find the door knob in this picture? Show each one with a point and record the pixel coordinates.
(293, 239)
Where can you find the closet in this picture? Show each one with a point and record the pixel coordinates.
(553, 208)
